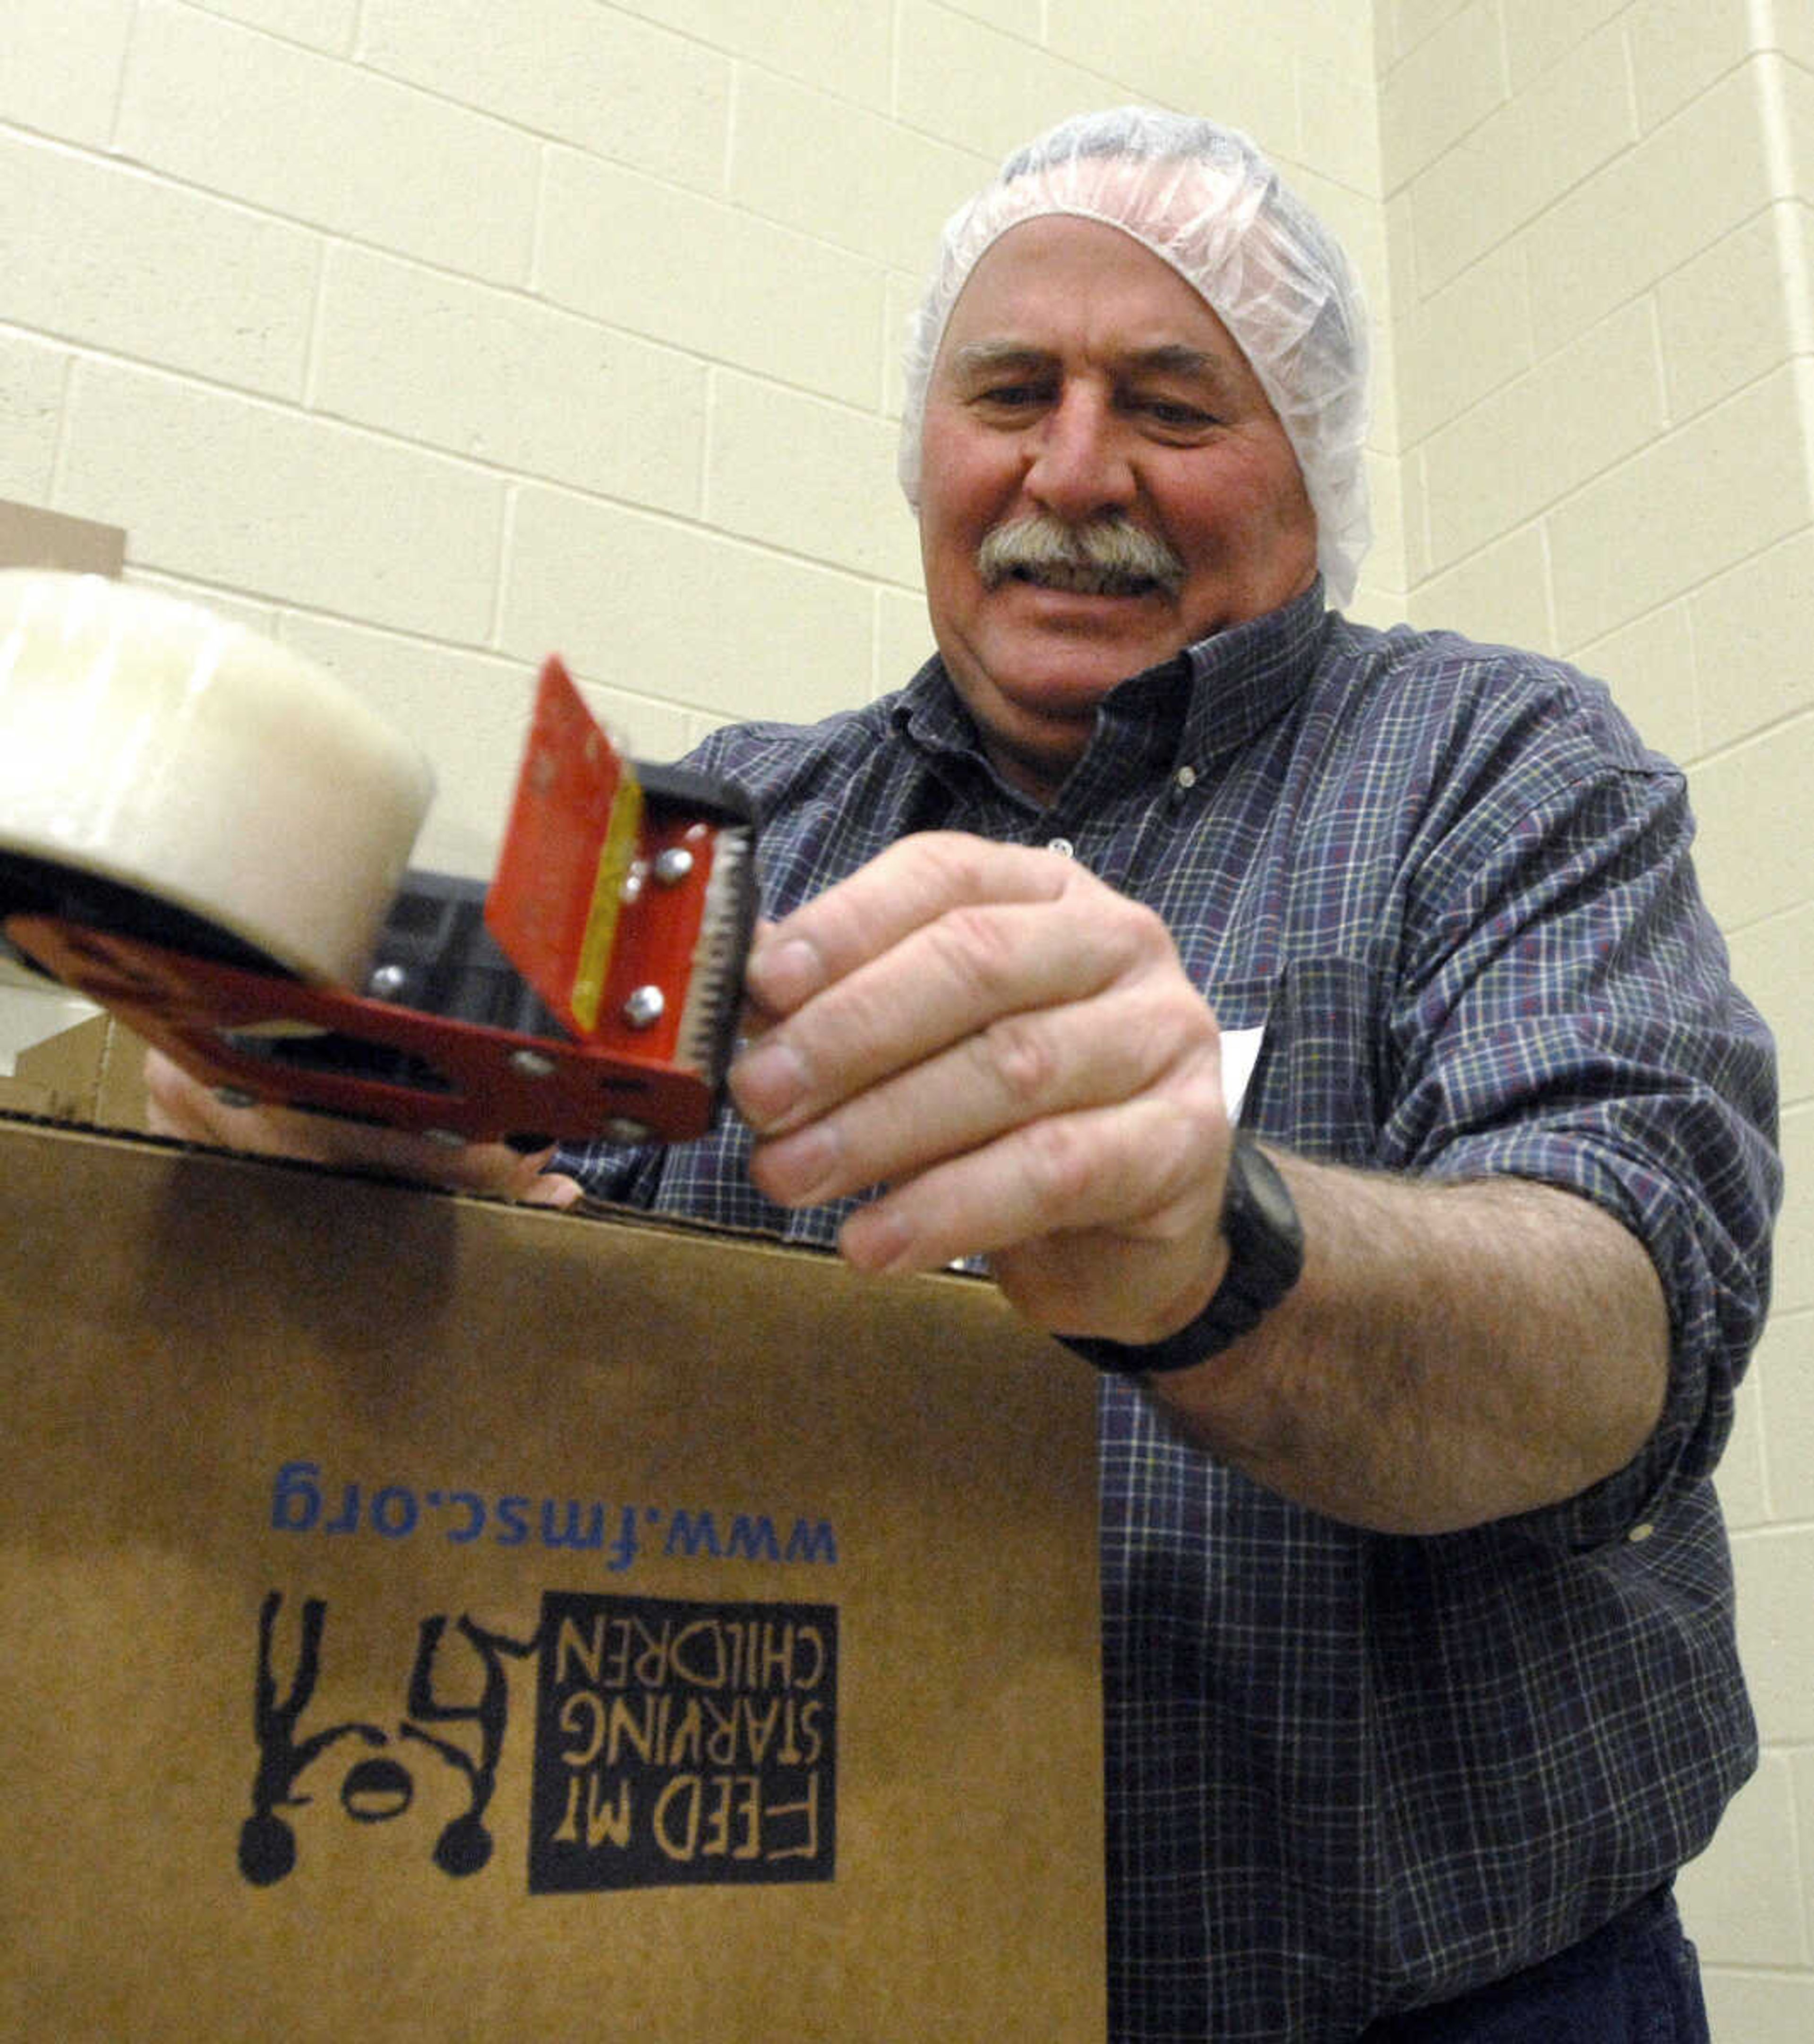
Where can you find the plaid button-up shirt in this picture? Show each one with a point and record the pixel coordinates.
(1350, 1771)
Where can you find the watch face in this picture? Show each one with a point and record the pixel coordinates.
(1266, 1237)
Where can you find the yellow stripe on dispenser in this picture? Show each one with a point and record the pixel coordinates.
(623, 832)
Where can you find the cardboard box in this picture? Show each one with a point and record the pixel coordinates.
(32, 537)
(430, 1618)
(93, 1073)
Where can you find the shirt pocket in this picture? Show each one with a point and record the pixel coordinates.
(1319, 1086)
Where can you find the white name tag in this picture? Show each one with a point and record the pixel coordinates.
(1240, 1053)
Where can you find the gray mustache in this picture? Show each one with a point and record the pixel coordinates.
(1108, 556)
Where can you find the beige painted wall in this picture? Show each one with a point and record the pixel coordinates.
(1601, 221)
(432, 335)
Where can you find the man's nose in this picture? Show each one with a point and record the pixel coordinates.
(1081, 464)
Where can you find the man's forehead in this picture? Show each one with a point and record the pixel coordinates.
(1007, 311)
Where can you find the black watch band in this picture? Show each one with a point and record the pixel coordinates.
(1266, 1254)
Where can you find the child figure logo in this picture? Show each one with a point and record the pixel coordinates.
(683, 1743)
(674, 1741)
(379, 1787)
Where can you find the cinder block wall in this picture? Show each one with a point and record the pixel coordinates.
(432, 335)
(1601, 243)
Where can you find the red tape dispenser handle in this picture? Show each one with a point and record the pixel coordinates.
(623, 895)
(572, 854)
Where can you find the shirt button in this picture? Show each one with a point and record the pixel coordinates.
(1062, 846)
(1643, 1532)
(1185, 776)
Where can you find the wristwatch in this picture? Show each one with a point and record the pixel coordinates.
(1266, 1254)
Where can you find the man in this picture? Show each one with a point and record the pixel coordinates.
(1421, 1678)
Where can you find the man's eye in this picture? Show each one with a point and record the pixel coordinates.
(1167, 412)
(1013, 396)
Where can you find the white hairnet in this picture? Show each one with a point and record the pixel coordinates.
(1203, 199)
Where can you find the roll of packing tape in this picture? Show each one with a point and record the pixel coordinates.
(150, 743)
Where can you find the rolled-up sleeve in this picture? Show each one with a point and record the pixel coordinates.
(1569, 1016)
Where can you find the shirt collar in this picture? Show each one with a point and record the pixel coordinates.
(1207, 701)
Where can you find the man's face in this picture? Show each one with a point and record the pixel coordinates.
(1082, 379)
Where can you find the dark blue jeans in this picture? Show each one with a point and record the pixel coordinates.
(1637, 1981)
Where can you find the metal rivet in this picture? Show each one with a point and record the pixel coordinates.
(644, 1008)
(531, 1064)
(621, 1129)
(387, 982)
(673, 866)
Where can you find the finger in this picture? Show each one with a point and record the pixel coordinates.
(1147, 1175)
(550, 1188)
(911, 883)
(172, 1100)
(752, 1017)
(1139, 1034)
(940, 983)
